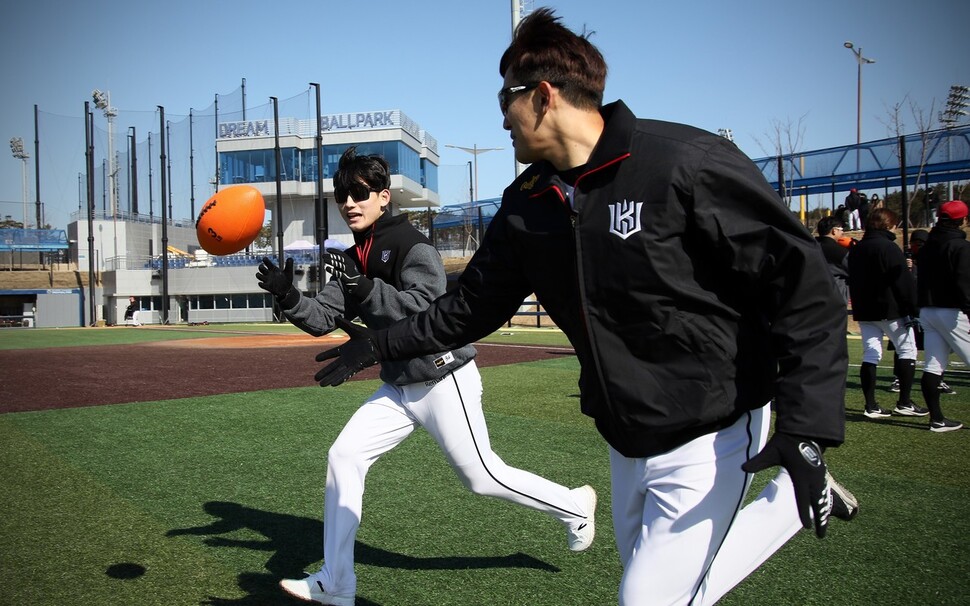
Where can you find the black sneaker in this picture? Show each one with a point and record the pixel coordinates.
(910, 410)
(944, 425)
(895, 386)
(877, 413)
(844, 504)
(944, 388)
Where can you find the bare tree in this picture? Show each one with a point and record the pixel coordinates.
(785, 138)
(927, 129)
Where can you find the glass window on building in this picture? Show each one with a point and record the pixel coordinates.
(222, 301)
(239, 301)
(259, 301)
(257, 166)
(429, 174)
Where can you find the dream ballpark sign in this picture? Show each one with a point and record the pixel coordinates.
(375, 120)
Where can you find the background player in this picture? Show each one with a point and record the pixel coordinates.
(692, 297)
(943, 284)
(392, 272)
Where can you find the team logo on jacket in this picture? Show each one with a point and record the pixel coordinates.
(625, 218)
(385, 255)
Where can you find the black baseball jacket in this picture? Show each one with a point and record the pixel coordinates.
(690, 293)
(880, 285)
(943, 278)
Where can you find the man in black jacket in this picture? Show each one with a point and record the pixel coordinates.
(692, 297)
(883, 295)
(944, 299)
(852, 203)
(830, 229)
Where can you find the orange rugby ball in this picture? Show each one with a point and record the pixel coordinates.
(230, 220)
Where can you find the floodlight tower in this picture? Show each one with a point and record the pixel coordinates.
(103, 102)
(17, 148)
(956, 109)
(956, 106)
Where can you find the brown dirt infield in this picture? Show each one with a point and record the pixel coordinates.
(40, 379)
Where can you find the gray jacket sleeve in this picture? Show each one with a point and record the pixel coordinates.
(422, 280)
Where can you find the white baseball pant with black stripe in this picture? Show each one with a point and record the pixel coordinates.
(451, 411)
(681, 531)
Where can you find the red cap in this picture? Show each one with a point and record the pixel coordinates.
(954, 209)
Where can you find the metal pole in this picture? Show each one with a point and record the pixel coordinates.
(37, 167)
(781, 178)
(858, 103)
(23, 179)
(322, 221)
(151, 194)
(905, 191)
(279, 184)
(89, 141)
(216, 177)
(161, 163)
(191, 168)
(168, 136)
(134, 171)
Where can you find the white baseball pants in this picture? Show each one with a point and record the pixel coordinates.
(681, 532)
(855, 221)
(903, 338)
(451, 411)
(945, 330)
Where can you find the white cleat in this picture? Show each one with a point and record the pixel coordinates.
(581, 532)
(310, 589)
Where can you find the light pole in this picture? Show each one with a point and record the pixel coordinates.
(103, 102)
(17, 148)
(474, 150)
(860, 60)
(956, 104)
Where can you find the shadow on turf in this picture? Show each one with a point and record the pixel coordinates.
(294, 543)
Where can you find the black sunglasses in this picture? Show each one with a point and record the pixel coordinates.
(505, 95)
(357, 190)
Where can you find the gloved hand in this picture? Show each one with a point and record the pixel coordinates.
(913, 323)
(803, 460)
(273, 280)
(342, 267)
(352, 357)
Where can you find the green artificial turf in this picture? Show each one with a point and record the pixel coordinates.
(217, 498)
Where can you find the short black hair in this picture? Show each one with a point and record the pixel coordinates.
(372, 170)
(827, 224)
(543, 48)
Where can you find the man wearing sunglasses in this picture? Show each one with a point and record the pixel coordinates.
(390, 273)
(693, 298)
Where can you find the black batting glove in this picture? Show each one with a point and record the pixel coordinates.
(803, 460)
(913, 323)
(352, 357)
(343, 267)
(274, 280)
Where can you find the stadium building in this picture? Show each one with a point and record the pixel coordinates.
(128, 255)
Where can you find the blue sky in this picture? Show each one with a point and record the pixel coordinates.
(743, 65)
